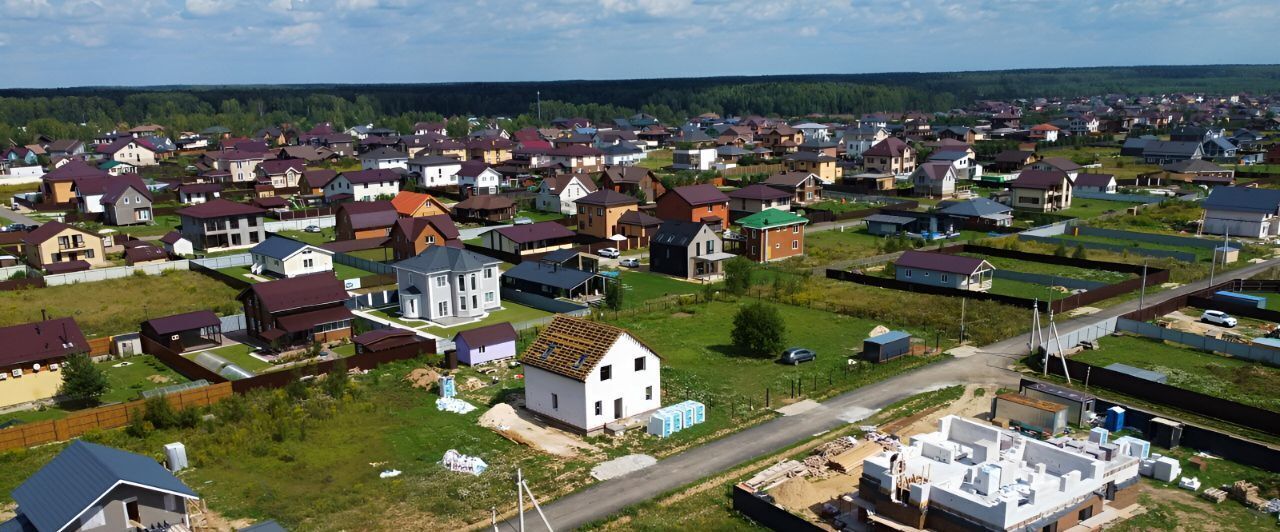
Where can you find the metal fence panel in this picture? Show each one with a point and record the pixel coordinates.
(1162, 253)
(1128, 198)
(1257, 353)
(1049, 280)
(225, 261)
(232, 323)
(364, 264)
(119, 272)
(1168, 240)
(299, 224)
(1053, 229)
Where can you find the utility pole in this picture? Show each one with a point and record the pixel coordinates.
(520, 496)
(962, 302)
(539, 108)
(1142, 294)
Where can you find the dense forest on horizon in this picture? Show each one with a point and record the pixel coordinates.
(82, 111)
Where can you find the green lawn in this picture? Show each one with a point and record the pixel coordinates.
(1110, 159)
(1009, 287)
(1172, 508)
(8, 191)
(834, 245)
(375, 254)
(1072, 272)
(1240, 380)
(238, 354)
(1273, 299)
(539, 216)
(323, 237)
(1201, 253)
(125, 382)
(512, 312)
(344, 350)
(838, 207)
(120, 305)
(656, 160)
(164, 223)
(342, 271)
(639, 287)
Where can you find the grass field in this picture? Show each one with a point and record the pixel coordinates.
(323, 237)
(656, 159)
(238, 354)
(539, 216)
(1110, 159)
(1092, 208)
(639, 287)
(838, 207)
(142, 373)
(164, 223)
(1044, 268)
(1273, 299)
(375, 254)
(342, 271)
(834, 245)
(1240, 380)
(1200, 253)
(8, 191)
(1010, 287)
(1171, 508)
(120, 305)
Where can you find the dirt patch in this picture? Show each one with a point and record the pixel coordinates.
(210, 520)
(423, 378)
(796, 494)
(470, 383)
(519, 427)
(682, 315)
(159, 379)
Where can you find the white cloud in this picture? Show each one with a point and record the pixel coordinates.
(26, 9)
(653, 8)
(298, 34)
(206, 8)
(4, 39)
(87, 37)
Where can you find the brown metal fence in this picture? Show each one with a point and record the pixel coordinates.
(754, 169)
(101, 418)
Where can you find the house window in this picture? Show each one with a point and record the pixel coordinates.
(473, 281)
(488, 297)
(440, 281)
(709, 208)
(908, 274)
(795, 229)
(443, 307)
(462, 282)
(555, 402)
(88, 253)
(480, 349)
(648, 393)
(431, 239)
(945, 278)
(606, 372)
(488, 273)
(307, 263)
(926, 273)
(795, 244)
(599, 408)
(462, 303)
(126, 200)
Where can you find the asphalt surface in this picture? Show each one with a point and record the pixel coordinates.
(14, 217)
(989, 366)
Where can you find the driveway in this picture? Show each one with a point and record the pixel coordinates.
(990, 365)
(14, 217)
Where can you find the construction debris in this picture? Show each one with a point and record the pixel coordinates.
(461, 463)
(1247, 493)
(390, 473)
(775, 474)
(1214, 495)
(1189, 483)
(621, 466)
(455, 405)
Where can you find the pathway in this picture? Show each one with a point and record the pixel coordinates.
(15, 217)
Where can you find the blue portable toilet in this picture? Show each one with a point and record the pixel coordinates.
(1115, 419)
(662, 424)
(447, 387)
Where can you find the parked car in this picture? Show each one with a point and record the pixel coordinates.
(312, 229)
(12, 227)
(796, 355)
(630, 263)
(523, 220)
(612, 253)
(1218, 317)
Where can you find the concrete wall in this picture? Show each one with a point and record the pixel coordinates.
(1257, 353)
(299, 224)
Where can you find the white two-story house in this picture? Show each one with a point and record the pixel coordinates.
(448, 283)
(559, 193)
(363, 185)
(1242, 212)
(584, 374)
(479, 178)
(435, 171)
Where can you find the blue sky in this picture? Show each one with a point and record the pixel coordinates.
(51, 43)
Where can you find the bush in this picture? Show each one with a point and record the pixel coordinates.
(337, 381)
(737, 275)
(613, 294)
(758, 330)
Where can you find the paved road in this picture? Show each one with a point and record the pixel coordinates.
(989, 366)
(14, 217)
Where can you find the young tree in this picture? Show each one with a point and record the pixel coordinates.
(82, 381)
(1061, 251)
(337, 381)
(737, 275)
(1080, 252)
(613, 295)
(758, 330)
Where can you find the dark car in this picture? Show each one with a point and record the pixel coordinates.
(796, 355)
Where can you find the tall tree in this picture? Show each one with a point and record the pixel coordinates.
(758, 330)
(83, 382)
(737, 275)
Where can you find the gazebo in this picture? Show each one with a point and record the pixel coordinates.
(183, 332)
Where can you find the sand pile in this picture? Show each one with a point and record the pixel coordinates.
(795, 493)
(423, 378)
(510, 424)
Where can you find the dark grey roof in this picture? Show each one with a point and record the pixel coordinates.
(445, 259)
(973, 208)
(548, 274)
(269, 525)
(1193, 166)
(889, 219)
(1094, 180)
(1170, 148)
(759, 191)
(809, 156)
(677, 233)
(383, 153)
(1243, 199)
(488, 335)
(278, 247)
(81, 474)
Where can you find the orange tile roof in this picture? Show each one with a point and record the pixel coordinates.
(407, 203)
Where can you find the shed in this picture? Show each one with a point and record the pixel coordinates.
(1153, 376)
(887, 224)
(486, 344)
(1033, 414)
(1079, 404)
(887, 346)
(1242, 299)
(384, 339)
(182, 332)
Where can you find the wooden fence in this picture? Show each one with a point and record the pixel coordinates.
(104, 417)
(768, 169)
(99, 346)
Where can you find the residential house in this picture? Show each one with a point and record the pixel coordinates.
(410, 236)
(960, 133)
(781, 139)
(559, 193)
(963, 162)
(281, 173)
(310, 154)
(314, 182)
(1044, 133)
(773, 235)
(694, 150)
(477, 178)
(278, 256)
(241, 166)
(1165, 152)
(197, 193)
(18, 156)
(363, 185)
(529, 239)
(1196, 171)
(813, 131)
(805, 187)
(1040, 190)
(982, 211)
(857, 140)
(638, 225)
(583, 374)
(945, 270)
(695, 203)
(1084, 125)
(491, 151)
(65, 148)
(91, 487)
(359, 220)
(1062, 164)
(56, 186)
(624, 153)
(890, 156)
(553, 280)
(690, 250)
(220, 224)
(823, 166)
(177, 245)
(934, 180)
(1220, 148)
(40, 344)
(126, 202)
(297, 311)
(56, 242)
(1134, 146)
(600, 212)
(757, 197)
(577, 158)
(1242, 211)
(384, 158)
(485, 344)
(137, 152)
(1101, 183)
(488, 208)
(416, 204)
(871, 182)
(634, 181)
(1013, 160)
(446, 284)
(435, 171)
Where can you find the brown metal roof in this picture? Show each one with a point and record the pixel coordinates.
(699, 194)
(488, 335)
(304, 321)
(607, 198)
(41, 340)
(218, 207)
(298, 292)
(940, 262)
(183, 322)
(535, 232)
